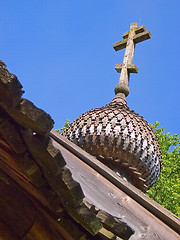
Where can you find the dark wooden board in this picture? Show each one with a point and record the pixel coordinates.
(103, 194)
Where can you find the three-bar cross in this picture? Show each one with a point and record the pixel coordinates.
(135, 35)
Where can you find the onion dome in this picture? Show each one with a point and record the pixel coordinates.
(118, 136)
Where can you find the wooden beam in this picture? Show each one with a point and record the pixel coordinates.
(17, 211)
(132, 68)
(52, 165)
(5, 233)
(138, 30)
(120, 45)
(42, 229)
(151, 207)
(107, 233)
(141, 36)
(115, 225)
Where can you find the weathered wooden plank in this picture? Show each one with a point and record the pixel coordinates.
(26, 172)
(138, 30)
(48, 156)
(106, 234)
(115, 225)
(15, 207)
(132, 68)
(10, 88)
(42, 230)
(85, 217)
(29, 116)
(70, 228)
(114, 200)
(21, 110)
(52, 165)
(9, 131)
(8, 163)
(120, 45)
(32, 170)
(5, 233)
(23, 217)
(142, 36)
(17, 213)
(137, 38)
(129, 189)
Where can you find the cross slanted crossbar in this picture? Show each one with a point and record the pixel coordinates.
(135, 35)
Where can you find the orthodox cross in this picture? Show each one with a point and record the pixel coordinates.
(135, 35)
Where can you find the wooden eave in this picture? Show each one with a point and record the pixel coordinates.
(52, 189)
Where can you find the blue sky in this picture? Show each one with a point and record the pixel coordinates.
(61, 51)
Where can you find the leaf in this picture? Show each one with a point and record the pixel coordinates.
(167, 189)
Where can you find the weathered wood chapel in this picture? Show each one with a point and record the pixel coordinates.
(88, 182)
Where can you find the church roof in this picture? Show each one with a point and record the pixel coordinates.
(52, 189)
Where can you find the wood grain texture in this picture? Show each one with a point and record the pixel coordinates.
(117, 197)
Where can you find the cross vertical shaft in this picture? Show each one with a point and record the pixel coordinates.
(135, 35)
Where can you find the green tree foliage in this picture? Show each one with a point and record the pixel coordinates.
(63, 128)
(167, 189)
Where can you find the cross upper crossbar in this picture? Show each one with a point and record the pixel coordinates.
(141, 35)
(135, 35)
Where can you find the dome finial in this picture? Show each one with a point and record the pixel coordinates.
(114, 134)
(135, 35)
